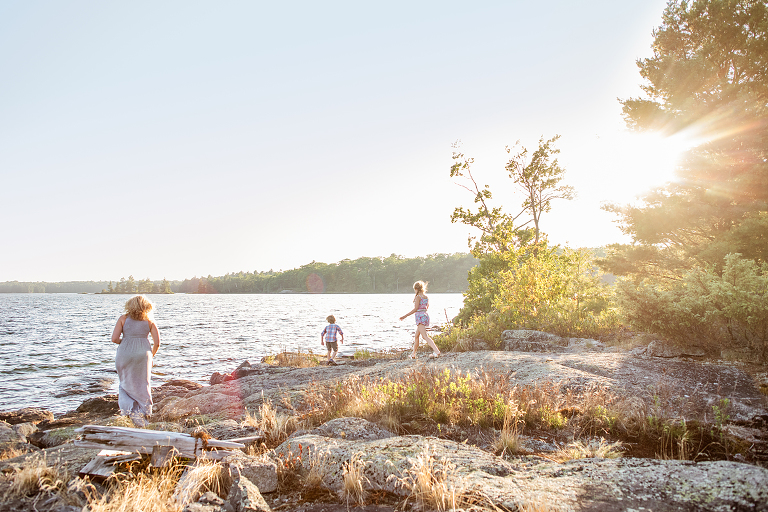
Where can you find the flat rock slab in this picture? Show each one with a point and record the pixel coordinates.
(584, 484)
(26, 415)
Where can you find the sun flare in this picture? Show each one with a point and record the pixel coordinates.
(635, 163)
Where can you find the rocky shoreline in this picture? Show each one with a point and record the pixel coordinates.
(685, 387)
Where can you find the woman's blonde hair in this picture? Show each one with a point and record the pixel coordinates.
(420, 287)
(139, 308)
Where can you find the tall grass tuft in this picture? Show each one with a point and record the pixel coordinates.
(148, 492)
(432, 483)
(353, 481)
(37, 477)
(276, 427)
(203, 476)
(509, 438)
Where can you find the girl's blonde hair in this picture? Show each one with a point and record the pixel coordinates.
(139, 308)
(420, 287)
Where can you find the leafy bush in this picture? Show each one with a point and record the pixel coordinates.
(716, 310)
(533, 287)
(557, 291)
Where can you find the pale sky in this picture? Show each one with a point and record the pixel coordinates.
(179, 139)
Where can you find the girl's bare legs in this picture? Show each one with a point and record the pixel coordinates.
(421, 329)
(415, 344)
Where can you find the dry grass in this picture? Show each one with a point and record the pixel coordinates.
(538, 504)
(483, 400)
(315, 470)
(508, 442)
(37, 477)
(10, 453)
(590, 449)
(200, 478)
(147, 492)
(428, 396)
(362, 354)
(432, 483)
(294, 359)
(353, 481)
(276, 427)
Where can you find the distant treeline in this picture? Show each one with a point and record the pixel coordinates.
(43, 287)
(122, 286)
(130, 285)
(445, 273)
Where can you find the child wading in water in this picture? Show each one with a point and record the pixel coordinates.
(328, 338)
(420, 306)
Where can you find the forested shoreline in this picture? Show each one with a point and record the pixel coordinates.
(392, 274)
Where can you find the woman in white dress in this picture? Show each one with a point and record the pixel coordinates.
(134, 358)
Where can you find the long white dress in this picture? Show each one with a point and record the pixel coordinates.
(134, 363)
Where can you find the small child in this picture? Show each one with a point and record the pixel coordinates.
(328, 338)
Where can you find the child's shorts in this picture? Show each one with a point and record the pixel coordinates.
(332, 345)
(422, 318)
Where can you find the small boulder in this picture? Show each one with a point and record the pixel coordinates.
(244, 496)
(219, 378)
(259, 470)
(53, 437)
(229, 429)
(25, 429)
(174, 387)
(205, 403)
(660, 348)
(32, 415)
(100, 405)
(11, 440)
(208, 502)
(9, 435)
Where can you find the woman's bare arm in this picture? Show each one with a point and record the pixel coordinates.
(155, 337)
(118, 330)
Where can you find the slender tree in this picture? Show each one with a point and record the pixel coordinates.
(539, 178)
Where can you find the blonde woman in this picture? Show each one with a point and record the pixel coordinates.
(134, 358)
(420, 306)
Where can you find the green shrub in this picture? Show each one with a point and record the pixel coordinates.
(727, 310)
(534, 287)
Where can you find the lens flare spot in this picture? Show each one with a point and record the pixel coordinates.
(315, 283)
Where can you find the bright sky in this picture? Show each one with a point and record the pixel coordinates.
(175, 139)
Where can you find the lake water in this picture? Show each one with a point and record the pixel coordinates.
(55, 349)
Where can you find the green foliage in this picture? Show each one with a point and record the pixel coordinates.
(393, 274)
(487, 399)
(521, 282)
(142, 286)
(705, 307)
(706, 78)
(539, 179)
(537, 287)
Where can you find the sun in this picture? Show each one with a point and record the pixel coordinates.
(641, 162)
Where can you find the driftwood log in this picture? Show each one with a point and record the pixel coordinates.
(143, 441)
